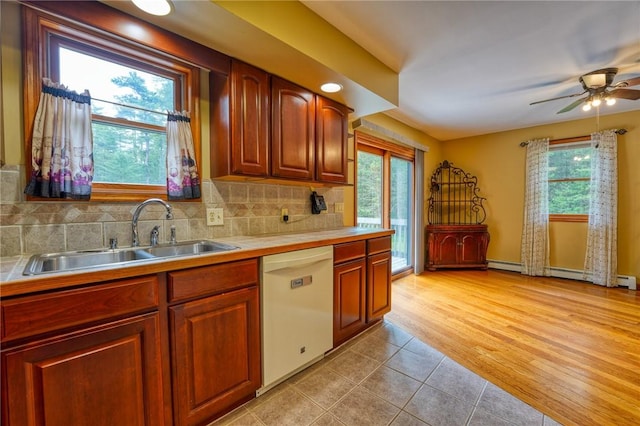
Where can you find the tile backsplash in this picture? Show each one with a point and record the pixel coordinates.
(28, 227)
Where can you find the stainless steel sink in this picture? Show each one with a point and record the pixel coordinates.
(188, 248)
(67, 261)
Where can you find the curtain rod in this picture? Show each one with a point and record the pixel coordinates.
(130, 106)
(576, 138)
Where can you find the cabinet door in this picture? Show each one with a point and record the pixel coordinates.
(472, 248)
(349, 300)
(216, 354)
(378, 285)
(446, 249)
(108, 376)
(293, 130)
(331, 141)
(249, 120)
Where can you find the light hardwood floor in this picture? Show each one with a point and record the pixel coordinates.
(567, 348)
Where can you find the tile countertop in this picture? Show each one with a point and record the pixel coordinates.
(13, 283)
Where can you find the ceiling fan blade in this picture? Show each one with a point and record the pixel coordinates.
(572, 106)
(630, 94)
(559, 97)
(628, 83)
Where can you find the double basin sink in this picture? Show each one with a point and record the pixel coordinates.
(67, 261)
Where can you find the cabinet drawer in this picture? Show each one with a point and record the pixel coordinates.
(348, 251)
(213, 279)
(32, 315)
(378, 245)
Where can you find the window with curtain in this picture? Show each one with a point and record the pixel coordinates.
(569, 176)
(132, 91)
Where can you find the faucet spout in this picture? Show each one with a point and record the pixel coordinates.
(135, 241)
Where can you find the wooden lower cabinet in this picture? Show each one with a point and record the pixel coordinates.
(349, 300)
(215, 343)
(362, 286)
(378, 286)
(107, 375)
(456, 246)
(378, 278)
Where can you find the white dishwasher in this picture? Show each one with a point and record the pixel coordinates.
(297, 312)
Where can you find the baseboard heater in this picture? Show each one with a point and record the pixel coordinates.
(572, 274)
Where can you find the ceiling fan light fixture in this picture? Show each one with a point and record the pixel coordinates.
(586, 106)
(596, 102)
(594, 81)
(610, 101)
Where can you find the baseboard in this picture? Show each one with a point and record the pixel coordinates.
(573, 274)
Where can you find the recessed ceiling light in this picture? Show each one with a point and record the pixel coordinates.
(154, 7)
(331, 87)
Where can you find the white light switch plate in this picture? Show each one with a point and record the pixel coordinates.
(215, 217)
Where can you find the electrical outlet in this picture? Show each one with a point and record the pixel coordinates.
(285, 215)
(338, 207)
(215, 217)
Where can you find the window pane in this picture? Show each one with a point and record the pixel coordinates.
(120, 84)
(570, 163)
(129, 155)
(569, 197)
(369, 190)
(400, 213)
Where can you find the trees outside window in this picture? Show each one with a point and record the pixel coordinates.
(132, 89)
(384, 194)
(569, 176)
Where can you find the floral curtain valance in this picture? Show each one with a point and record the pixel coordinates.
(62, 144)
(183, 181)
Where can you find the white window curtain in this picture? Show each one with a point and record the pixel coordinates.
(601, 260)
(62, 144)
(183, 181)
(535, 231)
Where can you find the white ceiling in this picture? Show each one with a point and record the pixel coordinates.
(472, 67)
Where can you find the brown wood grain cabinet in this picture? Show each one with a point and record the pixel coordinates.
(249, 120)
(103, 370)
(293, 133)
(378, 278)
(215, 340)
(240, 121)
(349, 290)
(362, 286)
(266, 126)
(331, 141)
(456, 246)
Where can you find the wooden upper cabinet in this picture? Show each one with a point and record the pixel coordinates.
(331, 141)
(293, 112)
(265, 126)
(249, 120)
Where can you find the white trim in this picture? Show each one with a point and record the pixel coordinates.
(628, 281)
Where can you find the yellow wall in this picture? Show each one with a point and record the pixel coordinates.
(498, 161)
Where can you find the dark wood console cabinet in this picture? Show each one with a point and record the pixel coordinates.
(456, 246)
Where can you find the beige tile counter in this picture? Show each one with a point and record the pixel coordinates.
(13, 283)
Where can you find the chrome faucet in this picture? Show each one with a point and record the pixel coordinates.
(135, 241)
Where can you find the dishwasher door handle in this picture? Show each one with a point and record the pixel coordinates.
(302, 281)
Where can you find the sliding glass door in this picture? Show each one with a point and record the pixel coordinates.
(384, 194)
(400, 212)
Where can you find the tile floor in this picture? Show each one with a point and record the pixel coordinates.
(385, 377)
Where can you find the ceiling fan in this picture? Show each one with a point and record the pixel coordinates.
(599, 87)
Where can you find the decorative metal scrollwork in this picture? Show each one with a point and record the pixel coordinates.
(454, 198)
